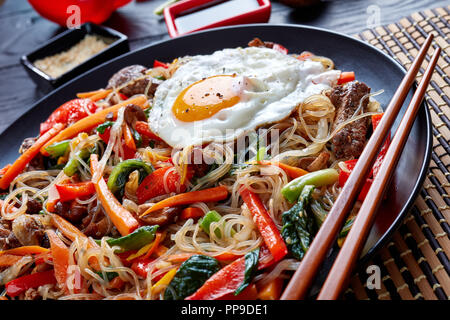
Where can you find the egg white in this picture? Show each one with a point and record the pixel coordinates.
(270, 85)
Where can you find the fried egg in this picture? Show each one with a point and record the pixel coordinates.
(218, 97)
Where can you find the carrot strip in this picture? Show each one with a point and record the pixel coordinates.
(191, 212)
(60, 254)
(100, 95)
(17, 167)
(71, 232)
(272, 290)
(206, 195)
(7, 260)
(122, 219)
(89, 94)
(129, 140)
(25, 250)
(161, 250)
(292, 172)
(91, 121)
(180, 257)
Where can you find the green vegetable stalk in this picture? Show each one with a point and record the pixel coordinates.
(320, 178)
(119, 175)
(320, 214)
(71, 166)
(58, 149)
(191, 275)
(210, 217)
(298, 226)
(251, 266)
(135, 240)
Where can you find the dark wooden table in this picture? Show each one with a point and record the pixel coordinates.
(22, 30)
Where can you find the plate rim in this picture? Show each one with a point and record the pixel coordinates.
(428, 143)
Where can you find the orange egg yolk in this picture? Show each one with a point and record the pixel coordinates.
(205, 98)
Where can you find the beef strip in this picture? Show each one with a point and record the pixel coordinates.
(7, 238)
(138, 86)
(71, 210)
(257, 42)
(37, 163)
(28, 229)
(33, 206)
(350, 140)
(162, 217)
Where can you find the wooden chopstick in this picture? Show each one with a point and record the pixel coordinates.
(348, 255)
(302, 279)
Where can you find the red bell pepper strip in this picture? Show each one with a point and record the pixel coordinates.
(158, 63)
(153, 184)
(346, 77)
(142, 266)
(129, 153)
(143, 129)
(350, 164)
(34, 280)
(69, 113)
(224, 283)
(280, 48)
(376, 118)
(72, 191)
(265, 224)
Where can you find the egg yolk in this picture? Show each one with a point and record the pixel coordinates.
(205, 98)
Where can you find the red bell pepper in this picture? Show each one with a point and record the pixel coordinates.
(157, 63)
(153, 184)
(346, 77)
(265, 224)
(376, 118)
(224, 283)
(350, 164)
(128, 152)
(69, 113)
(72, 191)
(280, 48)
(34, 280)
(142, 266)
(143, 129)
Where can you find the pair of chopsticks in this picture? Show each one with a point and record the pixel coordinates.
(349, 253)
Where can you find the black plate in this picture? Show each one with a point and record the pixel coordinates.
(371, 66)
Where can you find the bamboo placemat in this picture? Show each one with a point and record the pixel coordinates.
(415, 263)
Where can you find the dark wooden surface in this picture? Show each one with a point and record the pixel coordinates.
(22, 30)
